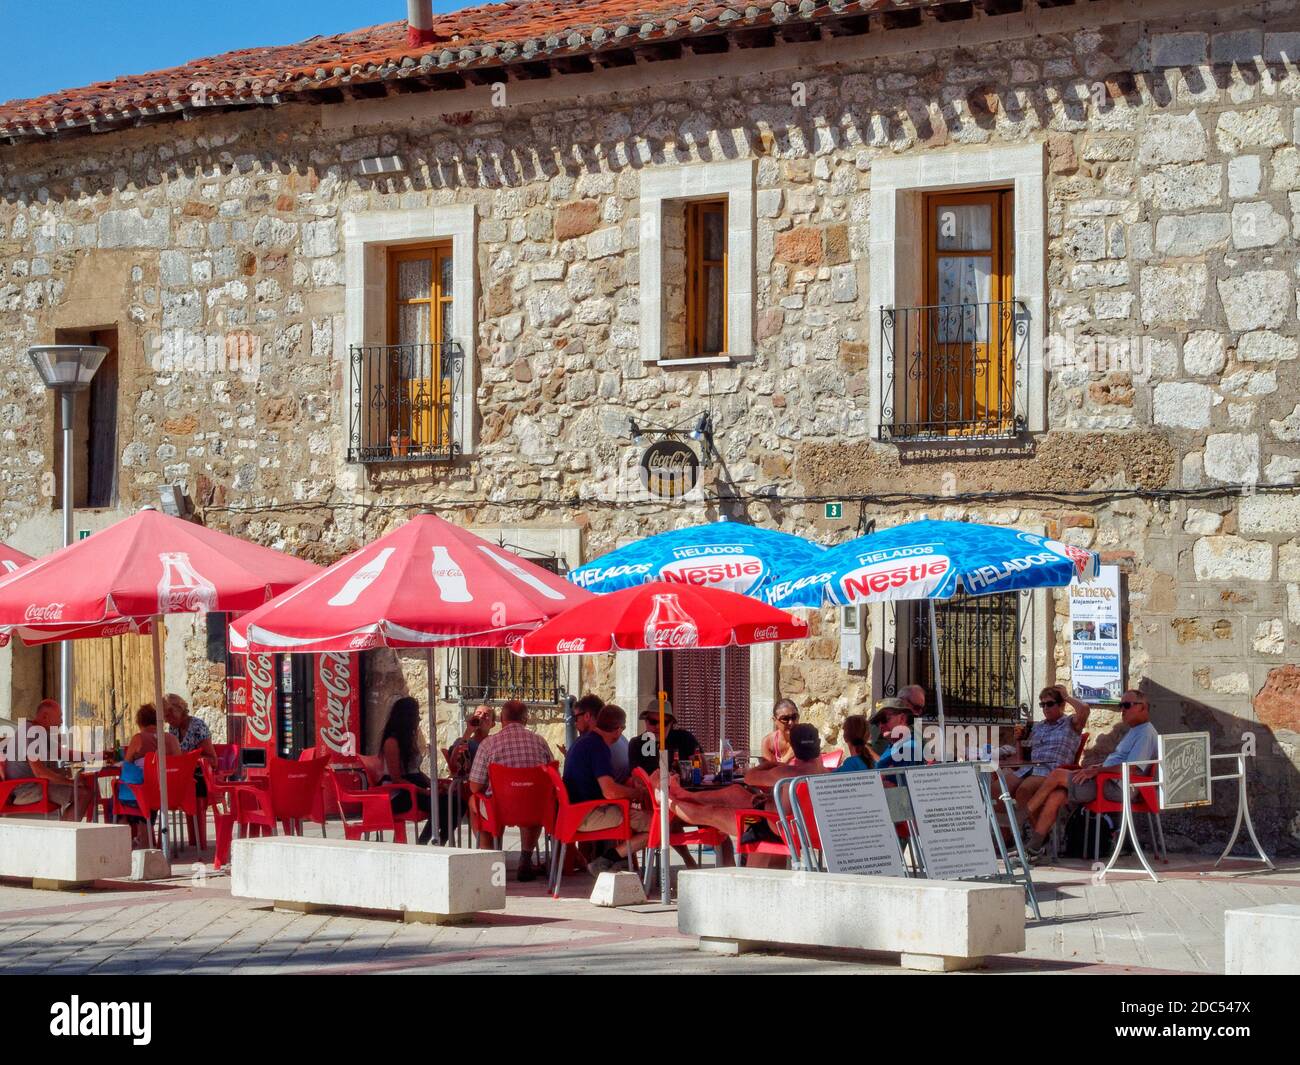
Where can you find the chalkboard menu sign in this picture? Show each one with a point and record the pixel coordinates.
(1184, 770)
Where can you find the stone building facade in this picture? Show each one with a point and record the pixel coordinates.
(1151, 162)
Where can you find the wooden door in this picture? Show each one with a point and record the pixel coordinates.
(419, 324)
(111, 678)
(968, 381)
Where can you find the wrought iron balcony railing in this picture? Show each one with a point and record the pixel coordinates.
(404, 402)
(950, 370)
(495, 675)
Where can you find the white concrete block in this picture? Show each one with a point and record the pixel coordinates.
(424, 883)
(1262, 940)
(149, 865)
(58, 853)
(618, 889)
(936, 925)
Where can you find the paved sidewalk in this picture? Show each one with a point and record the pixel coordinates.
(192, 925)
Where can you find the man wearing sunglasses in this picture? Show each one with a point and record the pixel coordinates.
(1054, 740)
(1140, 744)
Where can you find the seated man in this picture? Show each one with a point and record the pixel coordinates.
(1054, 741)
(514, 746)
(645, 746)
(39, 747)
(584, 717)
(1139, 744)
(717, 808)
(589, 776)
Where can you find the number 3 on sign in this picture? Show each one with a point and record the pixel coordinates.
(835, 510)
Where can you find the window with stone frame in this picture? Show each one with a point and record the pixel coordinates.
(958, 345)
(696, 268)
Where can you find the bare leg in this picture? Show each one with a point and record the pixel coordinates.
(1050, 808)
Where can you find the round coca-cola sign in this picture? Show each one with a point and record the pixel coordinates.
(669, 469)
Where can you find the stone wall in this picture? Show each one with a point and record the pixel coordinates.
(1173, 196)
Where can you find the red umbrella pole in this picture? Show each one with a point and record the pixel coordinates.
(665, 853)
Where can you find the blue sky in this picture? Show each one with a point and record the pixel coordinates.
(101, 39)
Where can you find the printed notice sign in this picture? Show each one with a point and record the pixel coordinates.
(857, 833)
(1184, 770)
(1096, 665)
(952, 822)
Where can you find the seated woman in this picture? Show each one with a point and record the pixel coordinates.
(775, 748)
(857, 732)
(192, 734)
(399, 753)
(143, 744)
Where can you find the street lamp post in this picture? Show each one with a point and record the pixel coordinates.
(65, 370)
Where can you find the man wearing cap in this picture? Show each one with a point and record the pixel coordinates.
(896, 720)
(645, 747)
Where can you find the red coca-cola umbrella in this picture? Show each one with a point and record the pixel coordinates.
(660, 616)
(426, 584)
(126, 577)
(11, 558)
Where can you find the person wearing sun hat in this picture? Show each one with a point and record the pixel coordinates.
(896, 720)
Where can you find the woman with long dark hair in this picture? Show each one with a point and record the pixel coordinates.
(399, 752)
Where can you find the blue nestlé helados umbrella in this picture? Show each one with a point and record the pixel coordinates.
(933, 560)
(725, 554)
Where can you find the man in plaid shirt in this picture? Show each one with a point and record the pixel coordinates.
(516, 747)
(1054, 740)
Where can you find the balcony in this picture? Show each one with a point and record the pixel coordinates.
(950, 371)
(403, 402)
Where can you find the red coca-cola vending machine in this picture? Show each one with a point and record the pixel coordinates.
(337, 704)
(285, 703)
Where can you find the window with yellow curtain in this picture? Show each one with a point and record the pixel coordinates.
(419, 327)
(968, 376)
(706, 277)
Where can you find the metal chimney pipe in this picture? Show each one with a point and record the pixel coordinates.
(419, 22)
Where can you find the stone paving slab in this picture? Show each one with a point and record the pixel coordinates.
(191, 924)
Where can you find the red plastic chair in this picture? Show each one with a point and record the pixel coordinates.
(1145, 801)
(569, 815)
(182, 797)
(364, 810)
(832, 759)
(520, 798)
(292, 793)
(227, 760)
(40, 806)
(747, 818)
(682, 836)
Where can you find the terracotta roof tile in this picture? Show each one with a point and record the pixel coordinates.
(488, 36)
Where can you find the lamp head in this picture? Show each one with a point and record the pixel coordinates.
(67, 367)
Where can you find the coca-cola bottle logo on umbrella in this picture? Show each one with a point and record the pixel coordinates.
(669, 627)
(182, 589)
